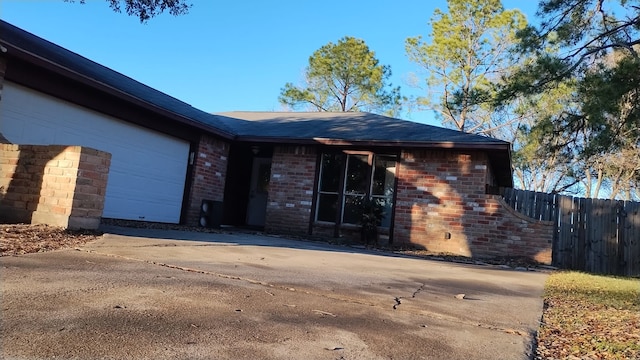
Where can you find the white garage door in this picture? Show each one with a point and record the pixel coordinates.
(148, 168)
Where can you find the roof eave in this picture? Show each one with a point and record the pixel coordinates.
(505, 174)
(24, 55)
(380, 143)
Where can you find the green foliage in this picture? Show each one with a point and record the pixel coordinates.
(146, 9)
(468, 57)
(344, 77)
(541, 163)
(597, 44)
(372, 213)
(371, 218)
(467, 51)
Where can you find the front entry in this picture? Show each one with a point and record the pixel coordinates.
(258, 191)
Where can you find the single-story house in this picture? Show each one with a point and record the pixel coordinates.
(287, 172)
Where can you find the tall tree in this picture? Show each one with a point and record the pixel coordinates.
(468, 49)
(345, 76)
(598, 42)
(146, 9)
(537, 166)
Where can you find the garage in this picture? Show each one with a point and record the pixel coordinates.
(148, 168)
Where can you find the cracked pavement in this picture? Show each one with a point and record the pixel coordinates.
(162, 294)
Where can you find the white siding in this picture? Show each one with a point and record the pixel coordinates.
(148, 168)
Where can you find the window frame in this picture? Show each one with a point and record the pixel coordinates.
(342, 192)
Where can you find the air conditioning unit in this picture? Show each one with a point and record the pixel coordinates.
(210, 214)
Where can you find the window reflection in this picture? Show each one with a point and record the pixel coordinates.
(365, 175)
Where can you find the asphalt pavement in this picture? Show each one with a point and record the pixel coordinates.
(165, 294)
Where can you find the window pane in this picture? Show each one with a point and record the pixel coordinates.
(327, 207)
(331, 167)
(357, 169)
(352, 209)
(264, 176)
(386, 204)
(383, 175)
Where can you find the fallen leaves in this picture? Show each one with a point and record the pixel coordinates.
(17, 239)
(590, 317)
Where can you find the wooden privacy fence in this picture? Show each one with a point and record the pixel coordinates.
(593, 235)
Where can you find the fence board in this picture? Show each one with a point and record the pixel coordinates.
(531, 204)
(564, 239)
(610, 236)
(507, 194)
(595, 235)
(580, 234)
(615, 238)
(589, 231)
(632, 236)
(549, 207)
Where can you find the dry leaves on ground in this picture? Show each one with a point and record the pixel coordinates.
(590, 317)
(17, 239)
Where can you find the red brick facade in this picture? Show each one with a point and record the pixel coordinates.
(291, 189)
(57, 185)
(208, 175)
(441, 205)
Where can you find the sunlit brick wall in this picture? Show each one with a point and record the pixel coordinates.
(441, 205)
(55, 184)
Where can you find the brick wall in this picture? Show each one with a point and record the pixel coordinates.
(291, 189)
(56, 185)
(208, 175)
(441, 205)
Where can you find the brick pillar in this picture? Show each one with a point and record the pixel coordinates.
(291, 189)
(53, 184)
(209, 175)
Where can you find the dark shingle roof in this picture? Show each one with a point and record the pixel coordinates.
(353, 127)
(349, 126)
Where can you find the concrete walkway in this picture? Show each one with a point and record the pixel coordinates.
(140, 293)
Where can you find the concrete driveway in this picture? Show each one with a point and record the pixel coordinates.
(150, 294)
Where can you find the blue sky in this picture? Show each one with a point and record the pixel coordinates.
(232, 55)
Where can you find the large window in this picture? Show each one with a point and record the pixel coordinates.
(347, 179)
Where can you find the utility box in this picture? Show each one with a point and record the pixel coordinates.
(210, 214)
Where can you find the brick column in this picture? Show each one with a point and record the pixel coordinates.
(55, 184)
(291, 189)
(209, 175)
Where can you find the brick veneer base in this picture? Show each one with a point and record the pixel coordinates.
(56, 185)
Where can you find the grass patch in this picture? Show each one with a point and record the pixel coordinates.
(590, 317)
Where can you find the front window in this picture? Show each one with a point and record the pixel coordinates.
(329, 187)
(347, 179)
